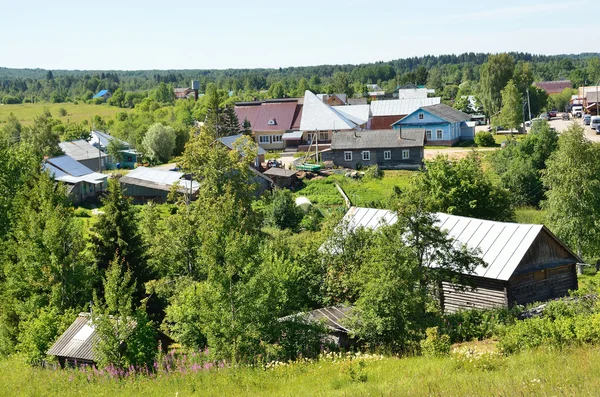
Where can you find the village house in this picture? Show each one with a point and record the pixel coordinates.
(102, 94)
(85, 153)
(282, 177)
(523, 263)
(387, 112)
(129, 156)
(553, 87)
(443, 124)
(270, 120)
(151, 184)
(229, 141)
(375, 92)
(388, 149)
(411, 91)
(334, 99)
(82, 183)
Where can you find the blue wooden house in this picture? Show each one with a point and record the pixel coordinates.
(443, 124)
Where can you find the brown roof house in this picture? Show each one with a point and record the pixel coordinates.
(554, 87)
(270, 120)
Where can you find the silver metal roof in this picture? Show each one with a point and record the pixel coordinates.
(77, 341)
(332, 317)
(80, 150)
(501, 245)
(358, 114)
(373, 139)
(158, 179)
(229, 140)
(102, 138)
(400, 107)
(319, 116)
(293, 135)
(69, 170)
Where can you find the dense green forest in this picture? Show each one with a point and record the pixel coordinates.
(444, 73)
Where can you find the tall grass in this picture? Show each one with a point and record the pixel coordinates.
(568, 372)
(26, 112)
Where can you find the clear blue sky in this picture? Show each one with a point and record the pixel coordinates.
(187, 34)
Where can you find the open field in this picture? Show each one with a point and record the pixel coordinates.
(570, 372)
(26, 112)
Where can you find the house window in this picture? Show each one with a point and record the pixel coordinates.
(264, 139)
(129, 159)
(405, 154)
(439, 134)
(366, 155)
(347, 156)
(277, 138)
(421, 116)
(428, 134)
(387, 154)
(323, 135)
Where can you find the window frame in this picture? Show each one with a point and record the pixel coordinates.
(387, 154)
(347, 156)
(261, 140)
(323, 135)
(421, 116)
(368, 153)
(405, 154)
(276, 138)
(429, 134)
(439, 134)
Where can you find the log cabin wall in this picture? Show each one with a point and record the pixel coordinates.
(546, 271)
(488, 293)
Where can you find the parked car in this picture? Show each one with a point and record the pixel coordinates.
(594, 122)
(587, 118)
(544, 116)
(552, 113)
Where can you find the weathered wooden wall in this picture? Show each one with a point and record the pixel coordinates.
(542, 285)
(487, 294)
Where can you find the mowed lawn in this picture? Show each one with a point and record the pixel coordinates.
(26, 112)
(568, 372)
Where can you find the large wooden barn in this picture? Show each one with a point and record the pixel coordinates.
(524, 263)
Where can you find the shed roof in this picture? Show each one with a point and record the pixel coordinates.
(332, 317)
(77, 341)
(501, 245)
(400, 107)
(377, 139)
(103, 138)
(293, 135)
(80, 150)
(69, 170)
(319, 116)
(229, 140)
(553, 87)
(447, 113)
(158, 179)
(280, 172)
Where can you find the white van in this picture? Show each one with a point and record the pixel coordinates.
(595, 122)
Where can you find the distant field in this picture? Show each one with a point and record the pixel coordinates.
(75, 113)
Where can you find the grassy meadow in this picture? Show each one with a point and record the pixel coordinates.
(568, 372)
(26, 112)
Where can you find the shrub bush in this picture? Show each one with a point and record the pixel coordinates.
(435, 344)
(10, 100)
(467, 325)
(484, 139)
(373, 172)
(62, 112)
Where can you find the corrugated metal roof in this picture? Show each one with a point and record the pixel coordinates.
(229, 140)
(373, 139)
(158, 179)
(358, 114)
(80, 150)
(268, 115)
(293, 135)
(400, 107)
(332, 317)
(69, 170)
(77, 341)
(282, 172)
(103, 139)
(318, 116)
(501, 245)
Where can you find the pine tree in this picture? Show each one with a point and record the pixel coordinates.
(231, 123)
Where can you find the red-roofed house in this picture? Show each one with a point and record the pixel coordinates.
(270, 120)
(554, 87)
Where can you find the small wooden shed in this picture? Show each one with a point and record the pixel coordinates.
(282, 177)
(523, 263)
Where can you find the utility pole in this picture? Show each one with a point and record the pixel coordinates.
(597, 98)
(528, 104)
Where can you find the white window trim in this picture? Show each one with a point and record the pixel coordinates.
(387, 154)
(421, 116)
(276, 138)
(405, 154)
(439, 134)
(347, 156)
(368, 153)
(264, 139)
(428, 134)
